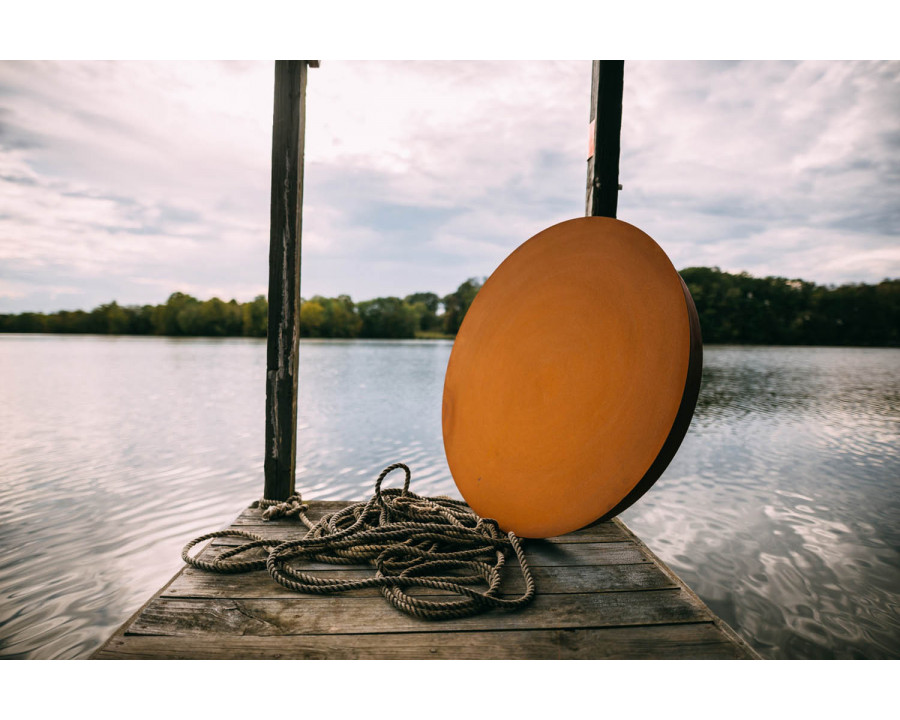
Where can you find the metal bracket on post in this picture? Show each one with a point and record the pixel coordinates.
(288, 129)
(602, 195)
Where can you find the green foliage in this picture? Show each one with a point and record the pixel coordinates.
(456, 304)
(425, 305)
(312, 317)
(738, 308)
(733, 308)
(255, 317)
(329, 317)
(387, 317)
(27, 322)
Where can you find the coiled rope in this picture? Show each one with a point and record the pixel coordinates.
(412, 541)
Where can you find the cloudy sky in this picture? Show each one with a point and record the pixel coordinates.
(131, 180)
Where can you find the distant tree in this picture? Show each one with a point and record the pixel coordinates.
(429, 299)
(738, 308)
(338, 318)
(425, 306)
(68, 322)
(140, 320)
(456, 304)
(733, 308)
(387, 317)
(187, 318)
(342, 318)
(213, 317)
(109, 319)
(312, 317)
(165, 318)
(255, 317)
(27, 322)
(887, 300)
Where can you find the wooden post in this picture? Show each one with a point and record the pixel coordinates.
(603, 187)
(288, 128)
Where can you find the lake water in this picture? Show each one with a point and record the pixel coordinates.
(780, 509)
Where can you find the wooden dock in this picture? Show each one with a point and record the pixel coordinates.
(601, 594)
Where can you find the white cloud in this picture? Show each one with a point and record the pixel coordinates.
(773, 168)
(144, 178)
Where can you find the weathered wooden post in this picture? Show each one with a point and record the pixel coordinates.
(603, 187)
(288, 127)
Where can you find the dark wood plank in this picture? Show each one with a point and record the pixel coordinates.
(606, 597)
(548, 580)
(602, 195)
(722, 626)
(346, 615)
(251, 520)
(604, 532)
(670, 642)
(537, 552)
(545, 553)
(288, 127)
(607, 532)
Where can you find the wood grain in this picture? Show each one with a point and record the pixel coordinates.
(670, 642)
(315, 615)
(538, 553)
(551, 580)
(283, 335)
(602, 194)
(251, 521)
(608, 598)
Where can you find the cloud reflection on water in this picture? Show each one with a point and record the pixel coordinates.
(780, 509)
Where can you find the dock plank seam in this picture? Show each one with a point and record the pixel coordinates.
(235, 620)
(723, 627)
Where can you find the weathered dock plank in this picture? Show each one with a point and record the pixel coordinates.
(540, 552)
(601, 594)
(551, 580)
(674, 642)
(251, 521)
(318, 615)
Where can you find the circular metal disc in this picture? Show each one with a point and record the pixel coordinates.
(572, 380)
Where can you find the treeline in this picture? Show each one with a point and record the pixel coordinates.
(422, 314)
(733, 308)
(739, 308)
(181, 315)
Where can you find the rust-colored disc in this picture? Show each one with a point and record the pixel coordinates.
(572, 380)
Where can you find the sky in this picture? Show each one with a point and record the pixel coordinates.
(131, 180)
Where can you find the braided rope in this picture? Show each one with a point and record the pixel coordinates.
(412, 541)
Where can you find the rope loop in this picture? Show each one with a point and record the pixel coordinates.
(435, 544)
(384, 473)
(219, 564)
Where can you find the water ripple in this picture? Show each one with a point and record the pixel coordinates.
(779, 510)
